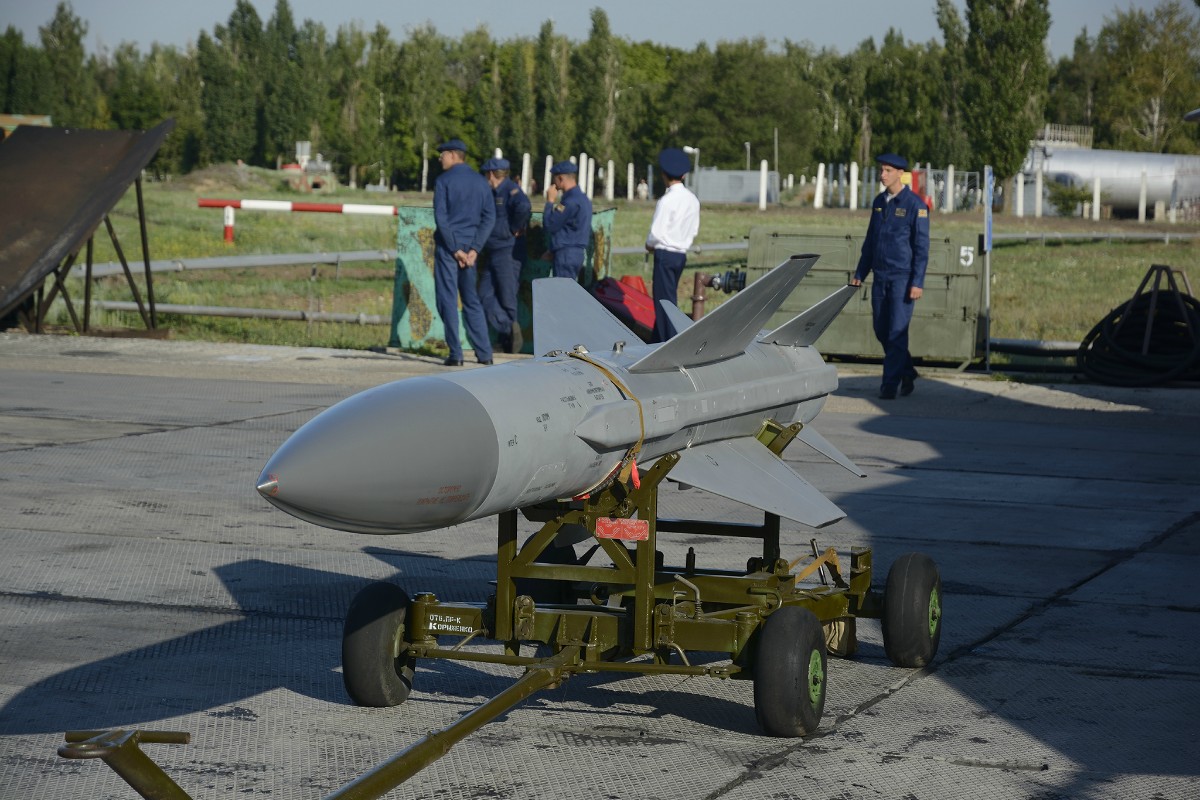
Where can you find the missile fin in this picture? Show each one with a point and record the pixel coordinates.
(817, 442)
(746, 471)
(805, 328)
(564, 315)
(679, 320)
(733, 326)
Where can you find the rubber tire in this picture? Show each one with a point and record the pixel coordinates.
(912, 611)
(375, 668)
(789, 669)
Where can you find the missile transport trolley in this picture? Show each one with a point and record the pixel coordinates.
(774, 630)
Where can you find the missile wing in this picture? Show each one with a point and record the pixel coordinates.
(429, 452)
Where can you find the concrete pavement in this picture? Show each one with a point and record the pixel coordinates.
(145, 584)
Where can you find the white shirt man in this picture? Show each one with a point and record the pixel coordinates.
(672, 230)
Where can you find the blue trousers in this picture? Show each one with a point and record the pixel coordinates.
(892, 312)
(668, 267)
(450, 284)
(568, 262)
(498, 290)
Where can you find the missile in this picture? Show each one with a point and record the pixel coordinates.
(429, 452)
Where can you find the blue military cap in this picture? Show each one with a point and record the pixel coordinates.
(494, 164)
(892, 160)
(453, 144)
(674, 162)
(564, 168)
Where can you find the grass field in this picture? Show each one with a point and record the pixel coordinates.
(1038, 291)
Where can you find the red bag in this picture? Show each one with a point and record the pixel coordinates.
(628, 301)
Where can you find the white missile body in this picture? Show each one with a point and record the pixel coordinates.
(430, 452)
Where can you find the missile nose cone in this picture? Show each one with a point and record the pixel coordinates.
(408, 456)
(268, 487)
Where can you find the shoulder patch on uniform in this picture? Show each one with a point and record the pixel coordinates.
(924, 212)
(514, 190)
(560, 207)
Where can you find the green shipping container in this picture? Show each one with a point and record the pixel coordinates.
(947, 322)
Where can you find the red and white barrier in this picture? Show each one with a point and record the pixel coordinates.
(288, 206)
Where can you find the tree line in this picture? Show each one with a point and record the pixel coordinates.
(374, 104)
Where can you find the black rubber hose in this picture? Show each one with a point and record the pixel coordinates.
(1111, 353)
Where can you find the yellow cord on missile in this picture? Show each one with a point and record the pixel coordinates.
(629, 462)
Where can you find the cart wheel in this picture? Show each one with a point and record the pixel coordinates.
(912, 611)
(375, 666)
(789, 673)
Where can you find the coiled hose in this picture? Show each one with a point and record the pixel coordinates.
(1112, 352)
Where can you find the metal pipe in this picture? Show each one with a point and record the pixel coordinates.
(119, 750)
(248, 313)
(700, 280)
(408, 762)
(253, 261)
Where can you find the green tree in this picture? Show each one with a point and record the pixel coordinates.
(556, 122)
(950, 143)
(841, 114)
(424, 108)
(475, 69)
(291, 75)
(902, 84)
(177, 75)
(597, 73)
(229, 74)
(73, 97)
(349, 117)
(1007, 77)
(21, 67)
(518, 134)
(734, 104)
(1149, 79)
(644, 116)
(135, 97)
(1074, 84)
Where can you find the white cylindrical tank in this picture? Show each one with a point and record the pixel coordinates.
(1171, 179)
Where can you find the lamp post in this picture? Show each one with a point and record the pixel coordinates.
(747, 156)
(687, 148)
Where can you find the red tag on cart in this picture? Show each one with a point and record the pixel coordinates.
(628, 530)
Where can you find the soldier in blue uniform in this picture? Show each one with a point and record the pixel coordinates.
(501, 275)
(464, 210)
(897, 251)
(567, 221)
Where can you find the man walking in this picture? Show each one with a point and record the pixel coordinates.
(463, 210)
(567, 221)
(501, 275)
(897, 251)
(672, 230)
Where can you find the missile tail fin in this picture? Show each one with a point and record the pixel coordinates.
(746, 471)
(679, 320)
(564, 315)
(805, 328)
(733, 326)
(817, 442)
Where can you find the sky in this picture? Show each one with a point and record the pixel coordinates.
(841, 24)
